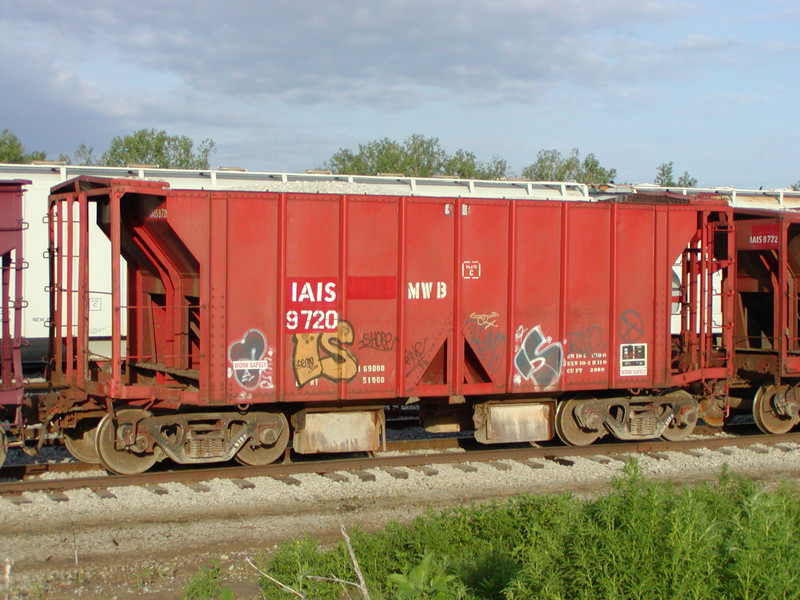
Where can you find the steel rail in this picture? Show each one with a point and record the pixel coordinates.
(284, 471)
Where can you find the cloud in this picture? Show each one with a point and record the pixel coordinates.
(704, 43)
(390, 55)
(37, 97)
(283, 84)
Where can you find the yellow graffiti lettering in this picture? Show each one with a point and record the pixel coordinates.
(336, 363)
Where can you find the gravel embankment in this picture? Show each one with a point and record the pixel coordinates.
(143, 543)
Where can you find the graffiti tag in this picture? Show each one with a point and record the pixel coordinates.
(383, 341)
(586, 342)
(415, 357)
(488, 344)
(486, 321)
(631, 327)
(539, 360)
(318, 355)
(519, 335)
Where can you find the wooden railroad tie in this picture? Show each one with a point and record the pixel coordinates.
(198, 487)
(465, 467)
(334, 476)
(287, 479)
(364, 475)
(396, 473)
(425, 470)
(500, 466)
(560, 460)
(243, 484)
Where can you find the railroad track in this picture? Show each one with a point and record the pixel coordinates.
(397, 461)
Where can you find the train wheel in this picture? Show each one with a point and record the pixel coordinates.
(122, 461)
(567, 427)
(712, 413)
(3, 450)
(80, 441)
(264, 454)
(765, 415)
(682, 427)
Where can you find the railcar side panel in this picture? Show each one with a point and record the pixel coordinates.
(369, 289)
(608, 326)
(310, 328)
(482, 298)
(249, 297)
(538, 282)
(196, 217)
(639, 281)
(427, 291)
(587, 299)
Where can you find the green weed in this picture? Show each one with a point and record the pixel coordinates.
(423, 581)
(206, 584)
(643, 540)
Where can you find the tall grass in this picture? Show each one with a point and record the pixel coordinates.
(643, 540)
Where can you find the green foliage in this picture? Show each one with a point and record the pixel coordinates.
(687, 180)
(417, 156)
(665, 177)
(647, 541)
(424, 581)
(151, 146)
(643, 540)
(423, 156)
(458, 537)
(489, 573)
(206, 584)
(12, 150)
(550, 165)
(796, 186)
(83, 155)
(639, 542)
(761, 549)
(299, 558)
(464, 164)
(147, 146)
(592, 173)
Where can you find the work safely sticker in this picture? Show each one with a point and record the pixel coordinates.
(633, 360)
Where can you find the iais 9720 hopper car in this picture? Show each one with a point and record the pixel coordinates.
(254, 320)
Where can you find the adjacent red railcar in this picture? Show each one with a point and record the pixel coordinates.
(766, 320)
(11, 304)
(253, 318)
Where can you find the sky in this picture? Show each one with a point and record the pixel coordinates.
(281, 85)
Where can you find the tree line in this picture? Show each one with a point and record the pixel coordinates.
(145, 146)
(416, 156)
(420, 156)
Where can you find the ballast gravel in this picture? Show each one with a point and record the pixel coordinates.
(147, 542)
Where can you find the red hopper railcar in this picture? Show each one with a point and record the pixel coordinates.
(247, 321)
